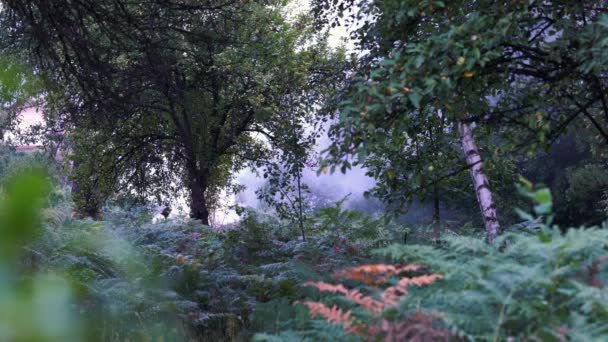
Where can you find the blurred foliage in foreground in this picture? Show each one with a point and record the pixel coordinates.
(35, 305)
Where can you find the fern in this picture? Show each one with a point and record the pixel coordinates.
(530, 288)
(333, 315)
(414, 327)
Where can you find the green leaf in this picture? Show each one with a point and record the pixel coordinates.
(524, 215)
(476, 53)
(543, 197)
(415, 98)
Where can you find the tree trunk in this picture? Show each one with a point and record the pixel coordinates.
(436, 213)
(300, 209)
(436, 216)
(87, 200)
(198, 188)
(485, 198)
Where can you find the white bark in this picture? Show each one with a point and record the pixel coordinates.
(485, 198)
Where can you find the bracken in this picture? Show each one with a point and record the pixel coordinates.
(417, 327)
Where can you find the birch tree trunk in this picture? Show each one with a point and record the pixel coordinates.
(485, 198)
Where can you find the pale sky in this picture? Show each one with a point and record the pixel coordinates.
(30, 116)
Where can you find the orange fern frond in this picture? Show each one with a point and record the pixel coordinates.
(359, 276)
(381, 272)
(419, 281)
(368, 303)
(418, 327)
(326, 287)
(376, 269)
(333, 314)
(392, 294)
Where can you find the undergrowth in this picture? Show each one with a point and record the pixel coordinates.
(178, 279)
(126, 278)
(536, 283)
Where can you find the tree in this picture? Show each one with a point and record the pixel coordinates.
(525, 69)
(297, 127)
(411, 167)
(170, 91)
(485, 197)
